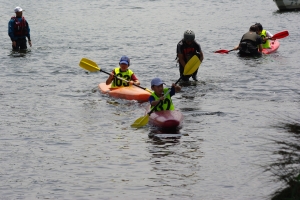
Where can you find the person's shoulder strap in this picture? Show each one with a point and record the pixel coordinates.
(180, 42)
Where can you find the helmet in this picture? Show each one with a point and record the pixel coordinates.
(189, 35)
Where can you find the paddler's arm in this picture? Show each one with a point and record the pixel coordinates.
(110, 78)
(201, 56)
(259, 41)
(134, 80)
(176, 89)
(269, 35)
(181, 59)
(236, 47)
(260, 48)
(153, 102)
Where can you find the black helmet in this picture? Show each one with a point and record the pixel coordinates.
(189, 35)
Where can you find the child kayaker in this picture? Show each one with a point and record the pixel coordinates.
(124, 73)
(265, 36)
(158, 94)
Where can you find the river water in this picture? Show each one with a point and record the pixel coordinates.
(62, 139)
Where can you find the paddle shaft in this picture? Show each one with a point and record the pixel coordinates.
(125, 80)
(224, 51)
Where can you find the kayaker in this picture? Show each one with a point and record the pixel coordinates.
(265, 36)
(186, 49)
(18, 30)
(250, 44)
(158, 95)
(124, 73)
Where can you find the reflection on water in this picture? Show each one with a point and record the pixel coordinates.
(163, 136)
(286, 168)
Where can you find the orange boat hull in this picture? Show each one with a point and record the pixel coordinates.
(128, 93)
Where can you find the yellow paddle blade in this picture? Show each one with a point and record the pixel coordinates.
(192, 65)
(89, 65)
(142, 121)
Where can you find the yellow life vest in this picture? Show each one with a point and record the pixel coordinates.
(166, 104)
(266, 44)
(124, 75)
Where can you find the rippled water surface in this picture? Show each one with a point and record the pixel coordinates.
(60, 138)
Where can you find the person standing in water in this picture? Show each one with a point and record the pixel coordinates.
(18, 30)
(186, 49)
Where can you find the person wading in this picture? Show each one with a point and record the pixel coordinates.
(186, 49)
(18, 30)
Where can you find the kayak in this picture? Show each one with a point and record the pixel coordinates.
(274, 46)
(128, 93)
(166, 119)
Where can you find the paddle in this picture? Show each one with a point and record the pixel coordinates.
(224, 51)
(189, 69)
(280, 35)
(93, 67)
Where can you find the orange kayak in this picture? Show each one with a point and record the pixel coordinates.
(129, 93)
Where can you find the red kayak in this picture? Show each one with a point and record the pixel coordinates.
(166, 119)
(274, 46)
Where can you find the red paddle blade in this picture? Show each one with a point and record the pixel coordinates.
(280, 35)
(222, 51)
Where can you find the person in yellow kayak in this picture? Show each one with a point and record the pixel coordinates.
(123, 72)
(162, 94)
(265, 36)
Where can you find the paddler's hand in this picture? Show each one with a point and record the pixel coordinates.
(162, 98)
(29, 42)
(131, 82)
(111, 76)
(14, 43)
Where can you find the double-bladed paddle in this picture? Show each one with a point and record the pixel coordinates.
(191, 66)
(91, 66)
(276, 36)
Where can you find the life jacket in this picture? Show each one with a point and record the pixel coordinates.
(166, 104)
(20, 27)
(248, 43)
(188, 51)
(124, 75)
(265, 44)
